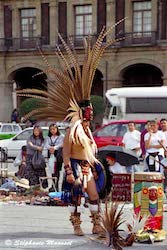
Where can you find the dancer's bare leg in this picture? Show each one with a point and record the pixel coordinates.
(94, 207)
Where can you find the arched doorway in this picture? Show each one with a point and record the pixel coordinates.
(97, 85)
(141, 75)
(28, 77)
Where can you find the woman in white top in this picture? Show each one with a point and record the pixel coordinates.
(54, 144)
(154, 140)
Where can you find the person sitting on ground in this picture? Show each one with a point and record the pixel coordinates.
(20, 162)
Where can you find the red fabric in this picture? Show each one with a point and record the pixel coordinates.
(110, 158)
(154, 223)
(87, 113)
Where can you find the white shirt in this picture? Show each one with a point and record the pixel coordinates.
(56, 140)
(117, 168)
(165, 133)
(132, 139)
(155, 137)
(18, 160)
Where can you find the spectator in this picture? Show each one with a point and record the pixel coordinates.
(15, 116)
(131, 140)
(20, 162)
(54, 144)
(142, 145)
(114, 166)
(154, 141)
(142, 142)
(35, 143)
(163, 125)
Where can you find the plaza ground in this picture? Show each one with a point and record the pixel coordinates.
(44, 227)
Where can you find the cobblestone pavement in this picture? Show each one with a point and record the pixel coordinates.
(37, 227)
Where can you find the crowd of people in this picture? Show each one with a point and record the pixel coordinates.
(28, 169)
(149, 145)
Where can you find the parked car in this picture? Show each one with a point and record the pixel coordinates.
(9, 148)
(8, 130)
(112, 133)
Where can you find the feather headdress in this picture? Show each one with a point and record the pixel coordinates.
(67, 96)
(72, 82)
(112, 219)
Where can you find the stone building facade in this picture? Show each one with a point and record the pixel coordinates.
(137, 59)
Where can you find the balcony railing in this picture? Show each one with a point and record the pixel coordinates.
(140, 38)
(128, 40)
(14, 44)
(78, 41)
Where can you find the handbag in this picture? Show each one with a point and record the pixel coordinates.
(58, 153)
(38, 161)
(59, 158)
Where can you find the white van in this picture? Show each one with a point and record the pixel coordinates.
(136, 103)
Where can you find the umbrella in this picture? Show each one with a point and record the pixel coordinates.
(124, 156)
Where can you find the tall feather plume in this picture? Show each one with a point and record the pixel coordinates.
(112, 219)
(137, 223)
(71, 81)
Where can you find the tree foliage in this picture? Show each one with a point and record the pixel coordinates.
(98, 105)
(28, 105)
(98, 109)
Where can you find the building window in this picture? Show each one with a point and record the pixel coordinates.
(142, 18)
(28, 23)
(83, 20)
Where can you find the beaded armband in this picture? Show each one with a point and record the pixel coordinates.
(68, 170)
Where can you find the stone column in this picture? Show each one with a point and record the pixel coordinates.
(16, 29)
(14, 96)
(53, 7)
(94, 16)
(128, 16)
(2, 20)
(154, 15)
(70, 19)
(38, 19)
(110, 16)
(6, 89)
(15, 22)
